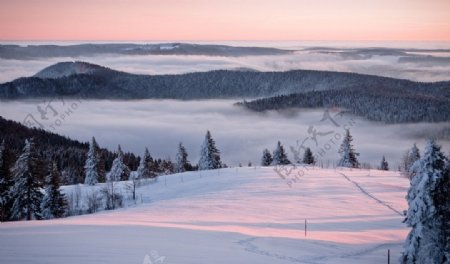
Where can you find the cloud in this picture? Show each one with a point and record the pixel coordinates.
(240, 135)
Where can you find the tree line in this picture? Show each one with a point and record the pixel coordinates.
(385, 106)
(30, 184)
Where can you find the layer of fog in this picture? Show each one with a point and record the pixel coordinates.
(414, 62)
(240, 135)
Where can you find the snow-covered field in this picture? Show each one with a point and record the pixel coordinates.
(235, 215)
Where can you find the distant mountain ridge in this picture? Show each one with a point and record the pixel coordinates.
(376, 98)
(92, 49)
(72, 79)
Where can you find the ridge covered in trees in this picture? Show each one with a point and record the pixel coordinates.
(69, 155)
(100, 82)
(384, 106)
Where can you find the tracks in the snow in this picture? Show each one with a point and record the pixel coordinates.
(364, 191)
(251, 247)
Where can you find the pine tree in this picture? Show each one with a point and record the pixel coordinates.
(101, 165)
(442, 201)
(412, 156)
(119, 171)
(348, 154)
(90, 167)
(308, 157)
(266, 158)
(26, 193)
(145, 166)
(209, 154)
(384, 165)
(54, 204)
(426, 241)
(181, 159)
(280, 156)
(5, 183)
(167, 167)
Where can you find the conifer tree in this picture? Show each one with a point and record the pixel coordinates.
(412, 156)
(101, 165)
(442, 201)
(54, 204)
(182, 163)
(5, 183)
(91, 165)
(26, 193)
(209, 154)
(308, 157)
(348, 154)
(280, 156)
(266, 159)
(145, 166)
(167, 167)
(384, 165)
(426, 241)
(119, 171)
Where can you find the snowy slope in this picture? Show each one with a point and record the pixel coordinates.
(236, 215)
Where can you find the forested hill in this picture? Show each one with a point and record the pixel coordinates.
(373, 105)
(73, 79)
(70, 155)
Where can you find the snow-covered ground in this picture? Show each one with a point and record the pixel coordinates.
(235, 215)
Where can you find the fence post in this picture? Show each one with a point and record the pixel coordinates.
(305, 227)
(389, 256)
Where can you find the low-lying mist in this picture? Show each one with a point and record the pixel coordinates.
(406, 64)
(240, 135)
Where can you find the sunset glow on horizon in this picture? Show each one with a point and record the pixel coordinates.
(382, 20)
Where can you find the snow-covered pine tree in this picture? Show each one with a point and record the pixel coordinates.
(209, 154)
(145, 166)
(119, 171)
(426, 242)
(384, 165)
(442, 201)
(182, 163)
(101, 168)
(308, 157)
(90, 167)
(5, 184)
(348, 154)
(26, 192)
(413, 156)
(266, 159)
(54, 203)
(279, 155)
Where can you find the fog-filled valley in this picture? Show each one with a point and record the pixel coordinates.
(241, 135)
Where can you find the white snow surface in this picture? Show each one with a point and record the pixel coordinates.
(234, 215)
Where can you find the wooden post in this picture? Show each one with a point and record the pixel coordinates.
(389, 256)
(305, 227)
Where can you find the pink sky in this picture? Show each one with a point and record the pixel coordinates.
(378, 20)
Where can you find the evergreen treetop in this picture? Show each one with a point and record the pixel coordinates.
(348, 154)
